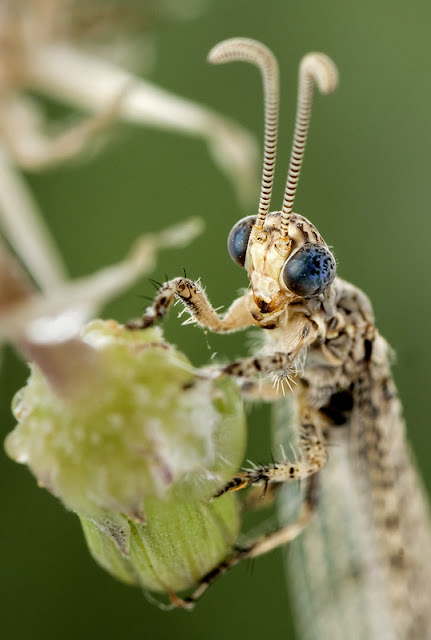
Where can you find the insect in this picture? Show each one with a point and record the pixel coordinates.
(347, 419)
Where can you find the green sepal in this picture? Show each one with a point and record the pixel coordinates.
(178, 545)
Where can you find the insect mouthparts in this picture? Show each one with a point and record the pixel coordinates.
(263, 306)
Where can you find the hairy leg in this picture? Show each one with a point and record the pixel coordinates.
(311, 459)
(193, 297)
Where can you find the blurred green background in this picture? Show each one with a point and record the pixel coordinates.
(365, 184)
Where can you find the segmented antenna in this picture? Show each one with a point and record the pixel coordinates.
(256, 53)
(314, 68)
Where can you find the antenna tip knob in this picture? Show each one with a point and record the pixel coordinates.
(322, 69)
(242, 49)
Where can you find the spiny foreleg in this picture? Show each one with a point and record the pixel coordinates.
(192, 295)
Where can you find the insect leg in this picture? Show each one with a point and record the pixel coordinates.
(280, 363)
(313, 450)
(267, 389)
(257, 547)
(193, 297)
(313, 455)
(259, 497)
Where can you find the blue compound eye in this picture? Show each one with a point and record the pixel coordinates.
(309, 271)
(238, 239)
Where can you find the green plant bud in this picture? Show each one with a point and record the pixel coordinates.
(179, 543)
(149, 427)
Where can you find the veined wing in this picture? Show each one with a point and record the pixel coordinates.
(342, 570)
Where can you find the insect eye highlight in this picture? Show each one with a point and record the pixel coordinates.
(237, 241)
(309, 271)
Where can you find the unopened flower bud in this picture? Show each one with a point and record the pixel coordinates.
(178, 544)
(150, 426)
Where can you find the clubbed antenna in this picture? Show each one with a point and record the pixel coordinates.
(314, 68)
(256, 53)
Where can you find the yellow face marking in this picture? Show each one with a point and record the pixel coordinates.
(267, 254)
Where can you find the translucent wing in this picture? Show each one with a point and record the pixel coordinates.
(342, 570)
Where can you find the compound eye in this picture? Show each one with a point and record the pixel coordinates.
(309, 271)
(237, 241)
